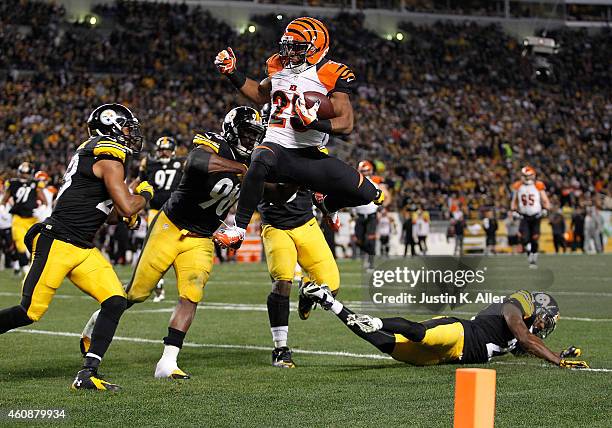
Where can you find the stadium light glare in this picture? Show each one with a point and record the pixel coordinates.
(399, 36)
(279, 17)
(93, 20)
(251, 28)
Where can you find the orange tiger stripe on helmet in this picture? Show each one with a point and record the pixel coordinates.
(313, 31)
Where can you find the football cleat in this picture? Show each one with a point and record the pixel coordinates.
(167, 368)
(281, 357)
(229, 237)
(320, 294)
(160, 294)
(332, 219)
(305, 305)
(89, 379)
(366, 323)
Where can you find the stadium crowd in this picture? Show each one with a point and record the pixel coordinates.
(448, 115)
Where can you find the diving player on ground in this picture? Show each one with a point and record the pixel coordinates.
(93, 192)
(520, 323)
(163, 170)
(290, 152)
(181, 233)
(530, 202)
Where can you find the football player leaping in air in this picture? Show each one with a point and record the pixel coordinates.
(530, 203)
(163, 170)
(63, 244)
(517, 325)
(180, 236)
(290, 152)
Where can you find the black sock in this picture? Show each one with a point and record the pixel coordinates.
(175, 337)
(253, 186)
(106, 325)
(23, 259)
(534, 246)
(278, 310)
(364, 195)
(13, 317)
(411, 330)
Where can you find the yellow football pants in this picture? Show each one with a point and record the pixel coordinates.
(52, 261)
(151, 216)
(19, 228)
(443, 343)
(305, 245)
(167, 245)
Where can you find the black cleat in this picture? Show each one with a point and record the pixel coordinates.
(305, 304)
(88, 379)
(281, 357)
(320, 294)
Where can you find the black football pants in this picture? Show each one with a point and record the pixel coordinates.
(308, 167)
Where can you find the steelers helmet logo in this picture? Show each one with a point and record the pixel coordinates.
(231, 116)
(543, 299)
(108, 117)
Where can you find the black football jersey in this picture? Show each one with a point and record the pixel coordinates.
(163, 176)
(83, 203)
(487, 334)
(23, 192)
(293, 213)
(202, 200)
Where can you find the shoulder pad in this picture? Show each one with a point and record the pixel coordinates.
(525, 300)
(107, 146)
(516, 185)
(540, 185)
(336, 76)
(273, 65)
(209, 139)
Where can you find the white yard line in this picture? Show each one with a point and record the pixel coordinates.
(267, 349)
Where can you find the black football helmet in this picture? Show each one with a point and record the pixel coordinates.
(164, 145)
(116, 121)
(547, 311)
(243, 129)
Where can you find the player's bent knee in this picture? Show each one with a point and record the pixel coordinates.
(114, 307)
(281, 287)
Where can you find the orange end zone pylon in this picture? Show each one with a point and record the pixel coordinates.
(474, 398)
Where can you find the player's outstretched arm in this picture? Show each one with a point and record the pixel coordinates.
(259, 93)
(212, 163)
(124, 202)
(529, 342)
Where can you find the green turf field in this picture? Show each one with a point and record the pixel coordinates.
(234, 384)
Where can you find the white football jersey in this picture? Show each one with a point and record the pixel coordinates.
(44, 211)
(528, 197)
(285, 127)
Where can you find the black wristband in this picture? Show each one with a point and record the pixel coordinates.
(146, 195)
(237, 78)
(323, 125)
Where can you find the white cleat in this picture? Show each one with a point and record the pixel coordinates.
(168, 369)
(366, 323)
(159, 297)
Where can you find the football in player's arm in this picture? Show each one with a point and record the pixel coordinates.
(300, 66)
(63, 244)
(180, 235)
(520, 322)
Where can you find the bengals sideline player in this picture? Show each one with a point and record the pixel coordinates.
(289, 152)
(530, 203)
